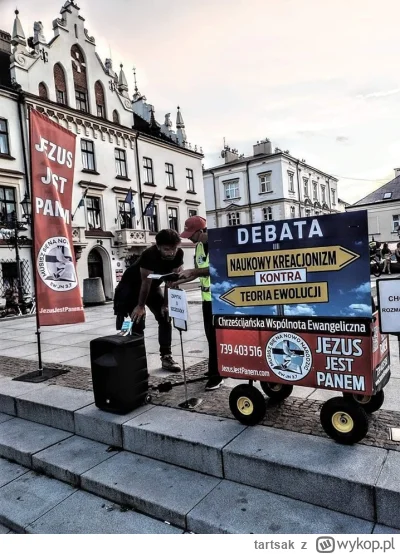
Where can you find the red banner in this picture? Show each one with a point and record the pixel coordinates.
(52, 161)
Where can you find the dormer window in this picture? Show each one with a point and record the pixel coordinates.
(387, 195)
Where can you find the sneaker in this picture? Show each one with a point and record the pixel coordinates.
(168, 363)
(214, 382)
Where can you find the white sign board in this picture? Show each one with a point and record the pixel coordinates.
(281, 276)
(177, 304)
(389, 305)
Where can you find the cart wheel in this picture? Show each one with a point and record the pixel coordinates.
(247, 404)
(369, 403)
(276, 391)
(343, 420)
(147, 400)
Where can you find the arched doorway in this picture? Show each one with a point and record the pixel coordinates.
(95, 265)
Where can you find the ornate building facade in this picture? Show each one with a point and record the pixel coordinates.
(268, 185)
(120, 146)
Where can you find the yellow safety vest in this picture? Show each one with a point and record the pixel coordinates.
(202, 261)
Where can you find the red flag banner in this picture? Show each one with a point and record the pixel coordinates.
(58, 296)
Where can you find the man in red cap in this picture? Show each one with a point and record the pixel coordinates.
(196, 231)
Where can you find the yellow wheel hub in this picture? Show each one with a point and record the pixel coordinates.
(245, 405)
(342, 422)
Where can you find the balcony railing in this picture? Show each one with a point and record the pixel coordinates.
(131, 237)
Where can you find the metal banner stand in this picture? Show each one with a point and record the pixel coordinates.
(190, 403)
(43, 373)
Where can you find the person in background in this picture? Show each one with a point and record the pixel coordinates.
(386, 255)
(196, 231)
(397, 252)
(135, 291)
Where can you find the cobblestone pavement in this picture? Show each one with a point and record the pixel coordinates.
(295, 414)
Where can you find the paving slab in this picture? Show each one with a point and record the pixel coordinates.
(383, 530)
(84, 513)
(92, 423)
(19, 439)
(158, 489)
(10, 471)
(235, 508)
(183, 438)
(10, 389)
(29, 497)
(4, 530)
(26, 349)
(388, 491)
(68, 459)
(59, 354)
(54, 406)
(308, 468)
(4, 417)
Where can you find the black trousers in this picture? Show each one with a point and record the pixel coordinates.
(155, 302)
(212, 339)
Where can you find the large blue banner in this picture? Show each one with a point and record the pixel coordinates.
(311, 267)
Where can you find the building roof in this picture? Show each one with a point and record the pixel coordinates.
(258, 157)
(387, 193)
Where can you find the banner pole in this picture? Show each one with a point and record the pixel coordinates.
(39, 347)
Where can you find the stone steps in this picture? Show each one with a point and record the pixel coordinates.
(207, 453)
(86, 487)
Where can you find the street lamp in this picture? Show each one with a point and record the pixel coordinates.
(12, 237)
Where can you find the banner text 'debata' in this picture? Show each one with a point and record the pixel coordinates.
(302, 293)
(324, 258)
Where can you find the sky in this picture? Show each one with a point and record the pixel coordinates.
(319, 79)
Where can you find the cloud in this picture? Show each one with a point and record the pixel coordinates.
(239, 313)
(365, 288)
(379, 94)
(299, 309)
(342, 139)
(358, 310)
(220, 288)
(213, 271)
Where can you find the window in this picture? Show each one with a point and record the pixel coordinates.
(315, 190)
(93, 212)
(87, 148)
(148, 170)
(396, 223)
(291, 181)
(169, 173)
(115, 116)
(305, 184)
(152, 222)
(333, 193)
(120, 163)
(9, 272)
(308, 212)
(316, 212)
(8, 205)
(189, 180)
(60, 97)
(60, 84)
(173, 218)
(387, 195)
(234, 218)
(292, 212)
(192, 213)
(323, 190)
(43, 91)
(265, 183)
(4, 144)
(232, 190)
(81, 101)
(100, 100)
(267, 214)
(125, 215)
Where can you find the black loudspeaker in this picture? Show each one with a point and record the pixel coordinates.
(119, 373)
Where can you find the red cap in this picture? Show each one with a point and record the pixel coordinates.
(192, 225)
